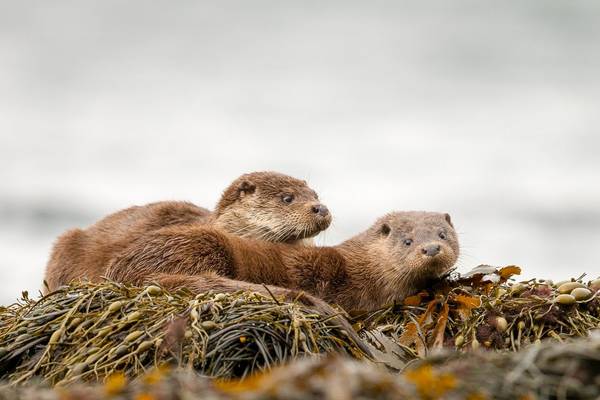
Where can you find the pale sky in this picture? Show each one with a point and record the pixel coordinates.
(488, 111)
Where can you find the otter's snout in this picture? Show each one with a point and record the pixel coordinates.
(431, 250)
(320, 209)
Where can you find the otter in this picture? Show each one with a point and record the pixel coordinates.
(389, 261)
(265, 206)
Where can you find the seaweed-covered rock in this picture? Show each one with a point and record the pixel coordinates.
(550, 370)
(483, 309)
(546, 370)
(89, 331)
(110, 334)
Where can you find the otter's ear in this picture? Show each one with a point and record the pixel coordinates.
(385, 229)
(448, 220)
(246, 187)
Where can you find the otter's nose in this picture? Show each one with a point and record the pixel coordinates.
(320, 209)
(431, 250)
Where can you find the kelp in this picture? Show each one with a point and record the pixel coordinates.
(547, 370)
(484, 309)
(90, 331)
(113, 333)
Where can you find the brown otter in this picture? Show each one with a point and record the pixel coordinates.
(387, 262)
(261, 205)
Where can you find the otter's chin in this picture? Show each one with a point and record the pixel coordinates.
(436, 266)
(322, 224)
(301, 237)
(304, 235)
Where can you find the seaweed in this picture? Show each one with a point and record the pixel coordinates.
(485, 309)
(89, 331)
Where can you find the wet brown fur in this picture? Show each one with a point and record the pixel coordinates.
(250, 207)
(371, 270)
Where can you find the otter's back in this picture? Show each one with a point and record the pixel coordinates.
(84, 254)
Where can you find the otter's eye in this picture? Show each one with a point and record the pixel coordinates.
(442, 235)
(408, 242)
(288, 198)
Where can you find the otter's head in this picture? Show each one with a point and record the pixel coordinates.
(271, 206)
(413, 247)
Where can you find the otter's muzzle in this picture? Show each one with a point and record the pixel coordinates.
(431, 250)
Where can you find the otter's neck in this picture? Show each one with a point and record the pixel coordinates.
(374, 281)
(234, 223)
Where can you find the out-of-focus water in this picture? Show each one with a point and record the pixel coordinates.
(487, 110)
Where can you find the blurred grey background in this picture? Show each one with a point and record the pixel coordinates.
(486, 110)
